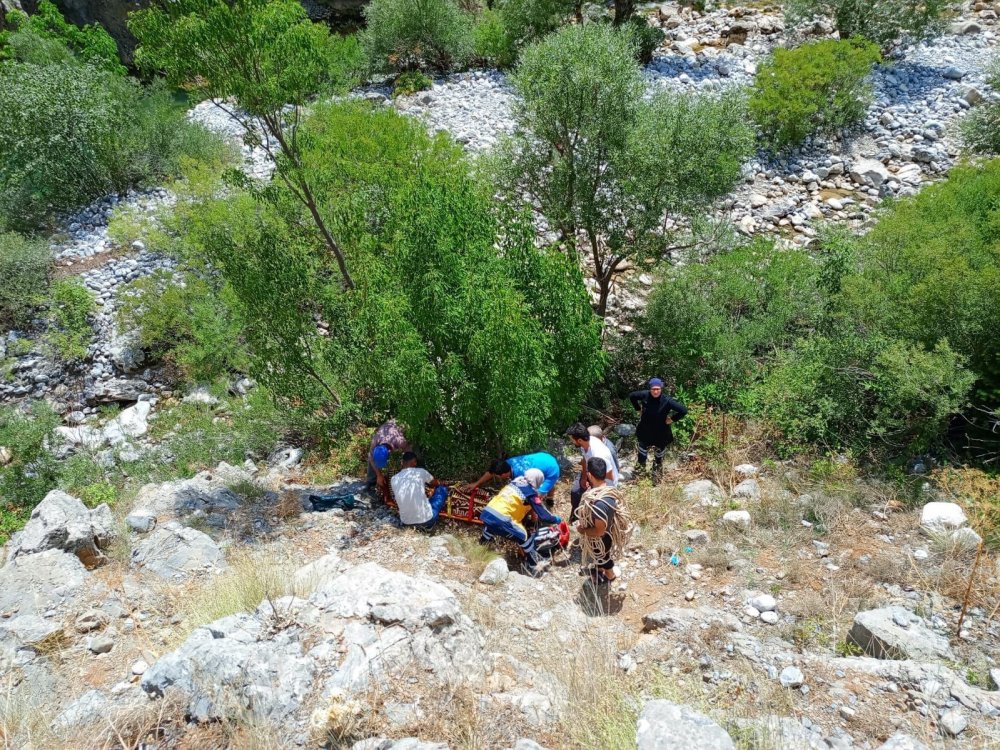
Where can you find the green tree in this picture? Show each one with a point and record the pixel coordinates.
(458, 325)
(267, 57)
(884, 22)
(605, 167)
(818, 87)
(32, 470)
(24, 270)
(404, 35)
(981, 129)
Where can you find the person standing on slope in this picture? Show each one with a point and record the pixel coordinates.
(657, 411)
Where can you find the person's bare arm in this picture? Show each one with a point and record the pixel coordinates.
(480, 482)
(598, 529)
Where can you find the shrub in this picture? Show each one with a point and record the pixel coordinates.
(884, 22)
(865, 392)
(527, 21)
(436, 309)
(981, 129)
(416, 35)
(186, 321)
(24, 269)
(648, 38)
(71, 307)
(73, 133)
(48, 33)
(818, 87)
(491, 44)
(720, 321)
(32, 470)
(411, 82)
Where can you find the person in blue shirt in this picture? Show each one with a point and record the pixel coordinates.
(517, 466)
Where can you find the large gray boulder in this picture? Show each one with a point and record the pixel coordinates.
(37, 584)
(365, 626)
(703, 492)
(669, 726)
(897, 633)
(869, 172)
(206, 494)
(64, 523)
(669, 617)
(175, 551)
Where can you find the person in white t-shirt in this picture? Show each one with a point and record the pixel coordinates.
(590, 447)
(409, 488)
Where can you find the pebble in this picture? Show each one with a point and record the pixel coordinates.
(771, 618)
(791, 677)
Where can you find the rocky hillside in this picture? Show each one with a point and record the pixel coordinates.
(221, 612)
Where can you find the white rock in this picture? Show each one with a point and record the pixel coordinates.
(703, 492)
(495, 572)
(940, 517)
(764, 603)
(869, 172)
(737, 518)
(771, 618)
(953, 723)
(748, 489)
(747, 471)
(668, 726)
(791, 677)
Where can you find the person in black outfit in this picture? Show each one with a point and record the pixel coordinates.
(657, 412)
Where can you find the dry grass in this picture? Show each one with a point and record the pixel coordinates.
(24, 717)
(477, 555)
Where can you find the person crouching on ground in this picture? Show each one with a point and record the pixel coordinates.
(590, 447)
(516, 466)
(409, 488)
(603, 523)
(504, 515)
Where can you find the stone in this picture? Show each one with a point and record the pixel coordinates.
(130, 423)
(367, 624)
(696, 536)
(764, 603)
(141, 522)
(526, 744)
(938, 517)
(89, 708)
(32, 631)
(965, 539)
(677, 619)
(35, 584)
(100, 644)
(204, 494)
(92, 619)
(748, 489)
(952, 73)
(879, 634)
(995, 679)
(173, 551)
(63, 522)
(747, 471)
(965, 27)
(625, 430)
(116, 391)
(757, 200)
(901, 741)
(703, 492)
(313, 575)
(737, 518)
(5, 455)
(791, 677)
(84, 436)
(495, 572)
(771, 618)
(972, 96)
(201, 395)
(664, 725)
(139, 667)
(869, 172)
(953, 723)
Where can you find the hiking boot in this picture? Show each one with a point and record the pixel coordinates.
(535, 570)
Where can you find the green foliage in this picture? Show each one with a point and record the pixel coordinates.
(981, 129)
(466, 345)
(70, 311)
(866, 392)
(603, 165)
(491, 44)
(411, 82)
(818, 87)
(187, 321)
(32, 471)
(648, 38)
(884, 22)
(406, 35)
(46, 37)
(24, 269)
(714, 322)
(930, 270)
(74, 132)
(526, 21)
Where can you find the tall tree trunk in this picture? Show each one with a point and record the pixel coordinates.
(623, 11)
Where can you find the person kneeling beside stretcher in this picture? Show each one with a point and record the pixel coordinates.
(409, 488)
(504, 514)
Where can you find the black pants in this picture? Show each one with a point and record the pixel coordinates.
(659, 447)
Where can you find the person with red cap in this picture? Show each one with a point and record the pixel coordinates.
(657, 412)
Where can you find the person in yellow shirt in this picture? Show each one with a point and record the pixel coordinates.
(503, 517)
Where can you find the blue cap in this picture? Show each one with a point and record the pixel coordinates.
(380, 456)
(654, 382)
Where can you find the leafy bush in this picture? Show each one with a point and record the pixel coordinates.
(24, 269)
(981, 129)
(648, 38)
(46, 36)
(416, 35)
(818, 87)
(186, 321)
(436, 309)
(603, 165)
(71, 308)
(866, 392)
(73, 132)
(411, 82)
(32, 470)
(527, 21)
(884, 22)
(720, 321)
(490, 42)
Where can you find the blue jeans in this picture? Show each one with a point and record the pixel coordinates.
(437, 501)
(497, 525)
